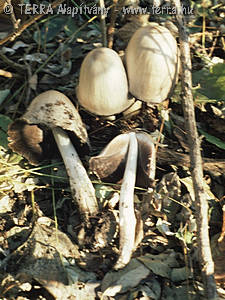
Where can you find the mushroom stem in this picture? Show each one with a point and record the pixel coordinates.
(126, 206)
(81, 187)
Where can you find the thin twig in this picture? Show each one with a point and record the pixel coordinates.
(111, 29)
(12, 15)
(11, 37)
(102, 22)
(223, 42)
(11, 63)
(117, 6)
(201, 205)
(161, 129)
(214, 43)
(6, 73)
(203, 28)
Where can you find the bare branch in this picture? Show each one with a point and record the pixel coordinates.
(201, 205)
(12, 36)
(102, 22)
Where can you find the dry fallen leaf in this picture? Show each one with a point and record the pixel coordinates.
(33, 82)
(125, 279)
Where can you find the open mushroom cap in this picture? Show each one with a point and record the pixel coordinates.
(152, 63)
(103, 87)
(49, 109)
(25, 139)
(146, 160)
(109, 165)
(54, 109)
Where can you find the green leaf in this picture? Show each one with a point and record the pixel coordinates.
(102, 192)
(211, 81)
(185, 236)
(50, 29)
(4, 123)
(180, 274)
(125, 279)
(70, 27)
(3, 95)
(213, 140)
(160, 264)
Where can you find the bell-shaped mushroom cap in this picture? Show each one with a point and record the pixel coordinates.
(103, 87)
(51, 109)
(109, 165)
(152, 63)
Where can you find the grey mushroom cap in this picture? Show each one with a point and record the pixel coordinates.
(54, 109)
(50, 109)
(109, 165)
(26, 140)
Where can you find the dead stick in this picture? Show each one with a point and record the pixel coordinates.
(201, 205)
(102, 22)
(11, 37)
(111, 29)
(161, 129)
(11, 63)
(12, 15)
(214, 43)
(167, 156)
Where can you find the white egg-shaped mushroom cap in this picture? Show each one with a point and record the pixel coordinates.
(103, 87)
(152, 63)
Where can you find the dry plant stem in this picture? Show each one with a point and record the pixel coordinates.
(201, 204)
(126, 206)
(223, 226)
(103, 24)
(11, 37)
(12, 15)
(169, 157)
(11, 63)
(82, 189)
(117, 6)
(6, 74)
(214, 43)
(161, 130)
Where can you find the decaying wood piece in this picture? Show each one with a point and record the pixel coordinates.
(201, 205)
(166, 156)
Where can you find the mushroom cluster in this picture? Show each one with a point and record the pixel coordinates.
(149, 74)
(152, 65)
